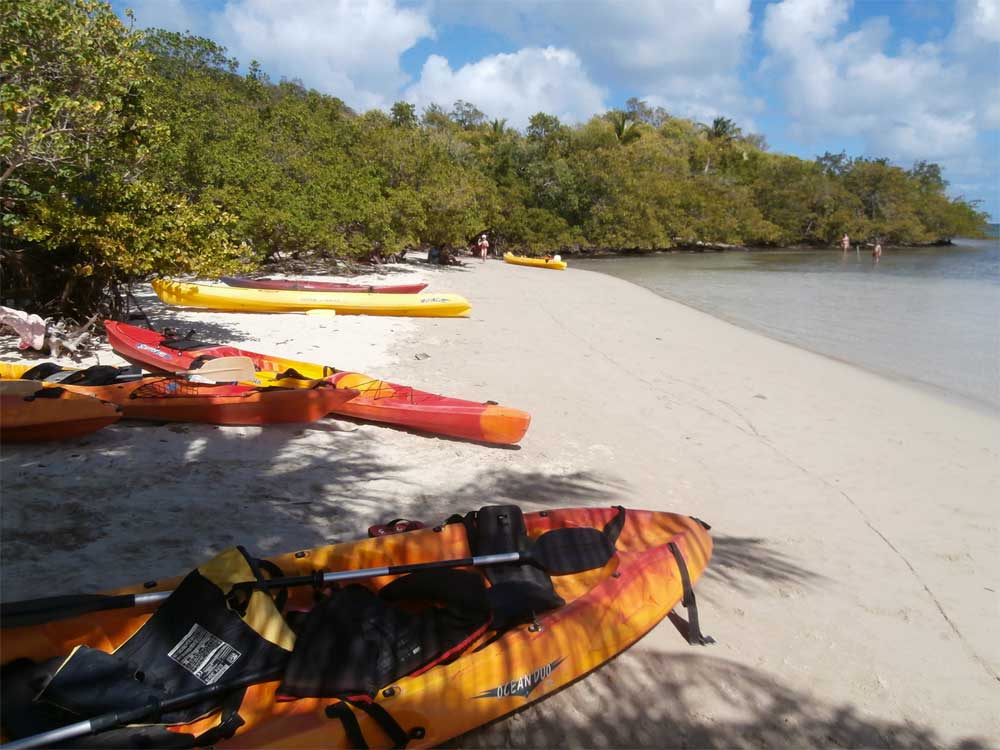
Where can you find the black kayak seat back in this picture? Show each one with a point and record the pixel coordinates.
(517, 592)
(95, 375)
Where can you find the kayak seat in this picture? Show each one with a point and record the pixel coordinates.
(94, 375)
(205, 632)
(517, 592)
(355, 641)
(184, 344)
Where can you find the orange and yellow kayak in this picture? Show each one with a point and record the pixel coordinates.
(52, 414)
(170, 399)
(373, 399)
(657, 556)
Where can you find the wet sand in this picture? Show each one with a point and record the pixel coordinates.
(854, 588)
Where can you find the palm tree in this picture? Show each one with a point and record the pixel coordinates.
(498, 130)
(625, 127)
(724, 129)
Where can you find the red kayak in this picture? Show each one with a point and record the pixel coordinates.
(377, 400)
(319, 286)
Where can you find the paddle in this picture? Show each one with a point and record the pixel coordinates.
(19, 387)
(114, 719)
(218, 370)
(558, 552)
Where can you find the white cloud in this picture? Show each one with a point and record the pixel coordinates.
(684, 55)
(342, 47)
(916, 103)
(642, 38)
(703, 98)
(978, 19)
(513, 86)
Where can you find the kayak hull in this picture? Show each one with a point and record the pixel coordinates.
(283, 300)
(162, 399)
(606, 611)
(520, 260)
(33, 420)
(320, 286)
(373, 399)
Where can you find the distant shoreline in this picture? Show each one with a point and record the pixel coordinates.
(713, 248)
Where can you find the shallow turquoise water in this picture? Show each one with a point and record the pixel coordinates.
(930, 315)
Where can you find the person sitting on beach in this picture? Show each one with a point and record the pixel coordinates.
(447, 258)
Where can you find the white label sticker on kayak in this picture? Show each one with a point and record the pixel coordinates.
(204, 655)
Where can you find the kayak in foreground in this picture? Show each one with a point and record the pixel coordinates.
(284, 300)
(376, 400)
(520, 260)
(173, 399)
(320, 286)
(391, 661)
(34, 415)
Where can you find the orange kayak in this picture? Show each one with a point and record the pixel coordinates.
(598, 613)
(170, 399)
(53, 414)
(375, 400)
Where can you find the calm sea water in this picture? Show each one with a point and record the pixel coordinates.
(930, 315)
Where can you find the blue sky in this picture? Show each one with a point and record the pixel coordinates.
(905, 79)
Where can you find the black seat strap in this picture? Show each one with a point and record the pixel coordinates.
(231, 720)
(694, 635)
(614, 527)
(343, 711)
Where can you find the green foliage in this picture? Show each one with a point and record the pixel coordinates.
(404, 115)
(467, 115)
(126, 155)
(80, 218)
(625, 128)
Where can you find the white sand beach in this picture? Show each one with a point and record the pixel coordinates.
(855, 589)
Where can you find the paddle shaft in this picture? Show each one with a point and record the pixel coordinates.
(114, 719)
(32, 610)
(557, 552)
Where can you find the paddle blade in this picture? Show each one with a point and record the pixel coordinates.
(19, 387)
(564, 551)
(224, 370)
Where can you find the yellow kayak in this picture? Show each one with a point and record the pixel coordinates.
(425, 305)
(520, 260)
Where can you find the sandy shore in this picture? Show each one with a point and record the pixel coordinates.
(854, 590)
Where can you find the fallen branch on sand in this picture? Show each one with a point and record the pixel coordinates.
(44, 335)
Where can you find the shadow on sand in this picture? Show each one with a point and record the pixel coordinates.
(645, 699)
(139, 500)
(735, 560)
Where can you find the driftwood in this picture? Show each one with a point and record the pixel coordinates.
(54, 337)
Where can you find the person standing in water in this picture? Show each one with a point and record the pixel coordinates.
(845, 242)
(877, 251)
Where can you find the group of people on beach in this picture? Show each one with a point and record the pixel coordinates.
(845, 243)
